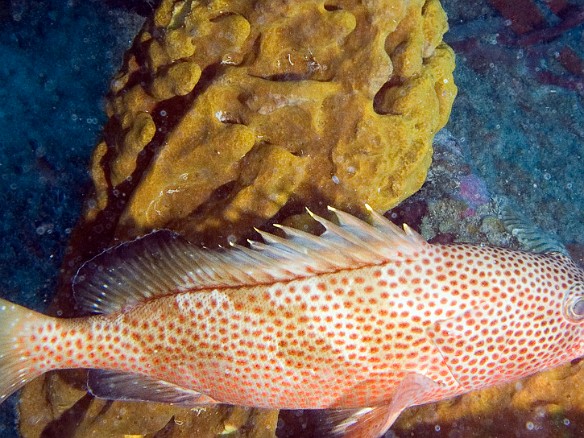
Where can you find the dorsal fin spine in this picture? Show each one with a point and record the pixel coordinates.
(337, 230)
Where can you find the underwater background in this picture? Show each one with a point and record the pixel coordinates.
(518, 119)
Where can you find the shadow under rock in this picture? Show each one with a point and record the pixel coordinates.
(67, 424)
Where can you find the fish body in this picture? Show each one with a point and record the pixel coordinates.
(366, 317)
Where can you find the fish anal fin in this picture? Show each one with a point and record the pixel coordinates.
(375, 421)
(113, 385)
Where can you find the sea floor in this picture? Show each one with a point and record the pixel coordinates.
(518, 120)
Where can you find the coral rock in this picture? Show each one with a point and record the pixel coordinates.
(345, 97)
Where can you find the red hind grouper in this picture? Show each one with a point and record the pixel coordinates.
(366, 318)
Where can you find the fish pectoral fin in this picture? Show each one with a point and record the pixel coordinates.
(452, 337)
(375, 421)
(113, 385)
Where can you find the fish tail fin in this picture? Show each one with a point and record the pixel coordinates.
(17, 362)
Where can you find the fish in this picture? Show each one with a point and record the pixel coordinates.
(530, 236)
(363, 321)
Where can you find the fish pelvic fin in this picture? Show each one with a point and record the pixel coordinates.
(17, 363)
(375, 421)
(356, 423)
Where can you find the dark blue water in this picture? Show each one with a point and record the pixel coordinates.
(519, 111)
(56, 60)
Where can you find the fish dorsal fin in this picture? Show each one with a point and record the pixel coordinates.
(163, 263)
(129, 273)
(114, 385)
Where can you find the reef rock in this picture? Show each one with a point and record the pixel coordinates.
(230, 114)
(225, 112)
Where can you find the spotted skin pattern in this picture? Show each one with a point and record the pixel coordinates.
(464, 316)
(424, 323)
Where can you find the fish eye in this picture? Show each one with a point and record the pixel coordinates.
(574, 303)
